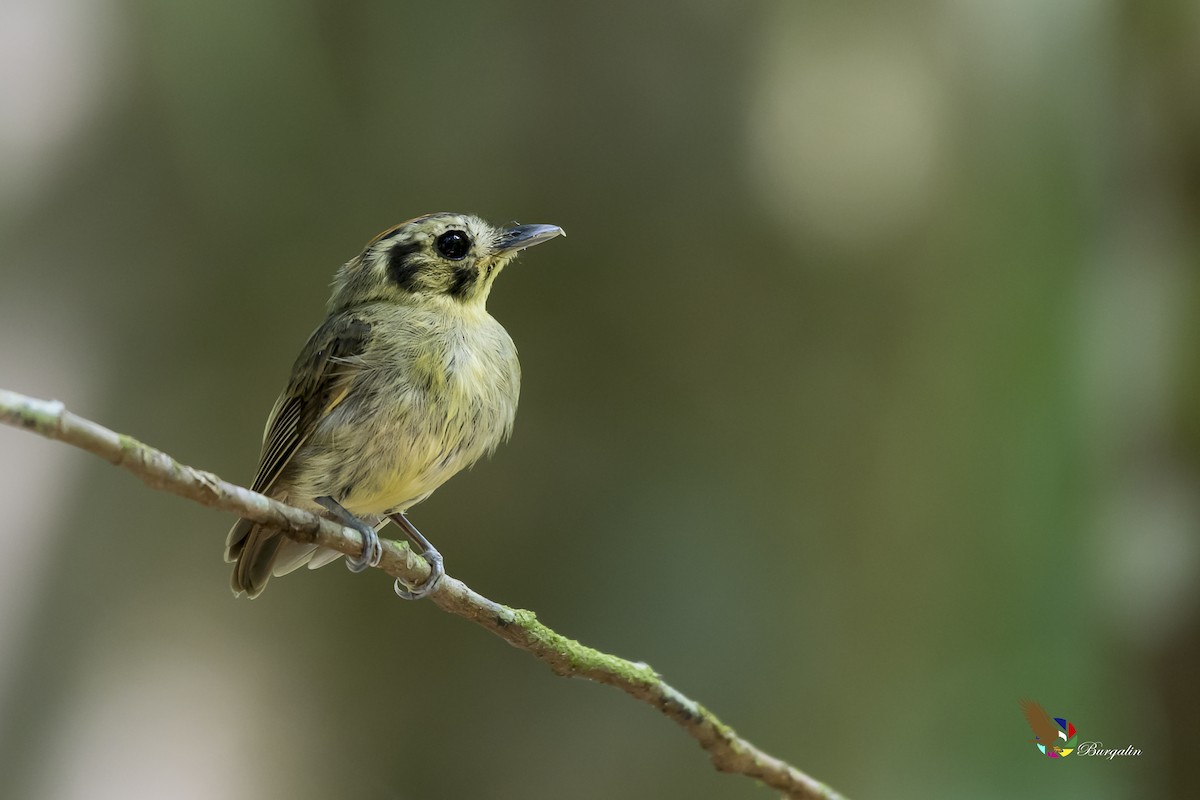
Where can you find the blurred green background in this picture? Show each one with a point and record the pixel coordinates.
(861, 401)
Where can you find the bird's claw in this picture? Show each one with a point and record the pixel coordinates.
(437, 570)
(437, 567)
(372, 550)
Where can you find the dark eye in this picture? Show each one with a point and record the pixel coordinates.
(453, 244)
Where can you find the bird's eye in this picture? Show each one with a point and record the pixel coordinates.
(453, 244)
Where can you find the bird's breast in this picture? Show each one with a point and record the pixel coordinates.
(430, 409)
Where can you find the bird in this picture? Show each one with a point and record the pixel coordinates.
(1043, 728)
(407, 382)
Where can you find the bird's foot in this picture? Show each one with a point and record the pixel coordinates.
(372, 551)
(437, 568)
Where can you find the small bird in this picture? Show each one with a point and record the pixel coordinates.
(1043, 728)
(407, 381)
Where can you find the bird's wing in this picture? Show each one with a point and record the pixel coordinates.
(320, 380)
(1040, 722)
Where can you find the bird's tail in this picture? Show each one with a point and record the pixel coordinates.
(260, 552)
(253, 547)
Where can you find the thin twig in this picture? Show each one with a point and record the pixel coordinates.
(520, 628)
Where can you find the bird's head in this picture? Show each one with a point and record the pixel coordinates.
(439, 258)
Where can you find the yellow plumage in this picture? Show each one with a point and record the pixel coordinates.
(408, 381)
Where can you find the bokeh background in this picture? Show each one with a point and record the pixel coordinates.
(861, 401)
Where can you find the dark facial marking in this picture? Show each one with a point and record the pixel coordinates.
(464, 278)
(401, 269)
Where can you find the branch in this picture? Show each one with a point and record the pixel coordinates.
(520, 628)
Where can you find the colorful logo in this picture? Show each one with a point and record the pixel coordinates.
(1054, 736)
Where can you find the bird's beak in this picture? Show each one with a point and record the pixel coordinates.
(520, 237)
